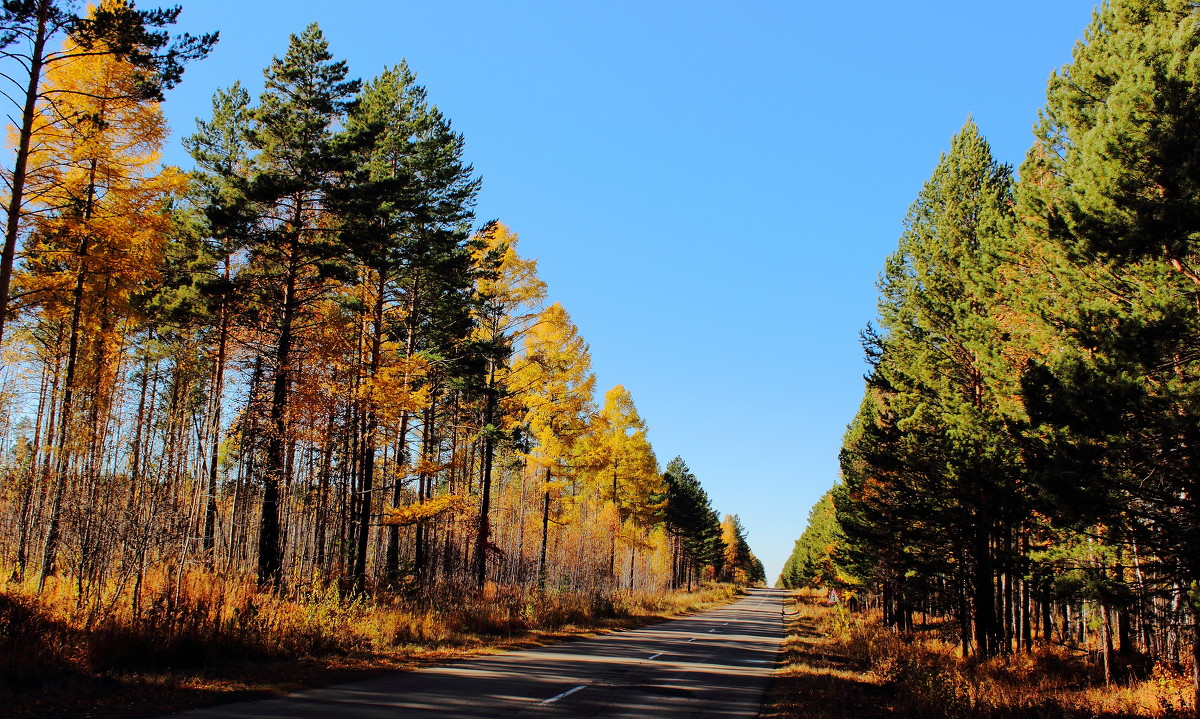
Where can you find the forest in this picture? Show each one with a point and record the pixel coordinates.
(301, 369)
(1025, 462)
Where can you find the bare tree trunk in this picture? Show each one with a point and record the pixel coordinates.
(545, 534)
(62, 455)
(210, 509)
(270, 565)
(482, 539)
(24, 138)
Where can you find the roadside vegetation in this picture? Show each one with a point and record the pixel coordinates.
(207, 639)
(1022, 471)
(839, 664)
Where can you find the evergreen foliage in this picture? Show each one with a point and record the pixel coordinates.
(1024, 456)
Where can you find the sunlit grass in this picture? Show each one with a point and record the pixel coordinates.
(843, 665)
(204, 633)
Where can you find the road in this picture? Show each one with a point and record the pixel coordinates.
(713, 664)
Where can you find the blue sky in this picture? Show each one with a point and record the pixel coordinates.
(710, 188)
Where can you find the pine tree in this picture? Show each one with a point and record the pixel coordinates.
(293, 251)
(817, 557)
(404, 207)
(942, 387)
(693, 523)
(1112, 189)
(221, 150)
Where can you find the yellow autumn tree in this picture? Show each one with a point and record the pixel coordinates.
(99, 195)
(509, 292)
(623, 470)
(553, 380)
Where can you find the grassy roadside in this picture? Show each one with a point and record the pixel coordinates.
(819, 679)
(210, 641)
(840, 666)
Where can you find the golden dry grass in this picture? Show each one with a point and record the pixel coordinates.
(200, 638)
(839, 665)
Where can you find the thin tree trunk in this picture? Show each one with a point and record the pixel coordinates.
(24, 138)
(483, 536)
(62, 456)
(545, 534)
(210, 510)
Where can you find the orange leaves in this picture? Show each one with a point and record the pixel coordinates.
(95, 184)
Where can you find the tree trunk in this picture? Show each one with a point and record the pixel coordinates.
(545, 534)
(983, 590)
(17, 189)
(483, 536)
(210, 509)
(270, 563)
(62, 456)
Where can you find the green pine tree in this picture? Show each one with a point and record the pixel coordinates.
(1111, 191)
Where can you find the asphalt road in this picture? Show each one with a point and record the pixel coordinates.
(714, 664)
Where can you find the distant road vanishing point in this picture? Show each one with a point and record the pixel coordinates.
(713, 664)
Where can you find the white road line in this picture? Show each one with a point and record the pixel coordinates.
(567, 693)
(656, 656)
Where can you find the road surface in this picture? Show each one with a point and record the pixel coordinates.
(714, 664)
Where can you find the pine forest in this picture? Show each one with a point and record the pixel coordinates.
(1023, 469)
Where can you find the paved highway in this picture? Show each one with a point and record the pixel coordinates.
(714, 664)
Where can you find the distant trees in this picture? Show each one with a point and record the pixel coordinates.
(817, 557)
(693, 525)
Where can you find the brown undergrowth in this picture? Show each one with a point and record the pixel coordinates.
(200, 639)
(842, 665)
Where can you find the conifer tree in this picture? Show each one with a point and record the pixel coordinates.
(817, 557)
(404, 207)
(693, 523)
(1112, 191)
(99, 239)
(554, 381)
(941, 385)
(220, 148)
(508, 294)
(293, 249)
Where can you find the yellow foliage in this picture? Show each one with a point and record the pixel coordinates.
(419, 512)
(513, 290)
(553, 381)
(397, 386)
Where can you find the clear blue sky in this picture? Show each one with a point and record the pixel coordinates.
(710, 188)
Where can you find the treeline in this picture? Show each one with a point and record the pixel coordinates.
(816, 559)
(1026, 459)
(299, 362)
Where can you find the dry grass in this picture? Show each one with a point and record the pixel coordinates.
(202, 639)
(840, 665)
(819, 678)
